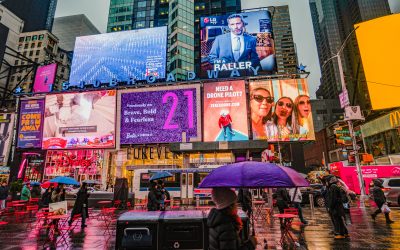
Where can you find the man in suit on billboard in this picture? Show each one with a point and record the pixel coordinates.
(236, 46)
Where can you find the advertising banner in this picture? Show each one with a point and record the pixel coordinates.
(225, 111)
(6, 131)
(122, 56)
(80, 120)
(44, 78)
(160, 115)
(281, 110)
(237, 44)
(30, 129)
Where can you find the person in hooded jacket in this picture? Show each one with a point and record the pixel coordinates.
(225, 224)
(81, 205)
(336, 209)
(153, 199)
(380, 200)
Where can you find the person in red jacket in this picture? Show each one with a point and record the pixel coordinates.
(225, 121)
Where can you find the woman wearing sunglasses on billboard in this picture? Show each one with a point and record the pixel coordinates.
(261, 103)
(280, 127)
(302, 111)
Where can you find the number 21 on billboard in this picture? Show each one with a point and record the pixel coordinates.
(175, 100)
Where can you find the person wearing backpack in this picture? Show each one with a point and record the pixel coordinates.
(380, 200)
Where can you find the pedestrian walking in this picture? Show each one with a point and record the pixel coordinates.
(163, 193)
(336, 209)
(380, 200)
(153, 201)
(282, 201)
(46, 197)
(81, 205)
(36, 192)
(296, 198)
(26, 192)
(244, 199)
(3, 195)
(225, 224)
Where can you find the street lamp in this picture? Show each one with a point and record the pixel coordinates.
(350, 122)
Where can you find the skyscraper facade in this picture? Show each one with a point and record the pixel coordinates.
(37, 15)
(336, 21)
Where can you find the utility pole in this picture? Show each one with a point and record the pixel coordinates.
(350, 122)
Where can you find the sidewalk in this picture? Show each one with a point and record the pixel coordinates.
(364, 234)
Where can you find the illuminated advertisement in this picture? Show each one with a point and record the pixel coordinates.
(80, 120)
(237, 45)
(74, 163)
(156, 115)
(6, 130)
(380, 59)
(281, 110)
(44, 78)
(125, 55)
(225, 111)
(30, 124)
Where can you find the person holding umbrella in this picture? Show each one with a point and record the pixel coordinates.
(36, 191)
(81, 205)
(336, 209)
(153, 199)
(225, 224)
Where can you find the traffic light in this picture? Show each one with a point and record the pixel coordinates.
(342, 136)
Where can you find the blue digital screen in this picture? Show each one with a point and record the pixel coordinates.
(124, 55)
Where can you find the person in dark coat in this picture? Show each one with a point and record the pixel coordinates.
(46, 197)
(163, 193)
(336, 209)
(153, 199)
(224, 223)
(3, 195)
(380, 200)
(36, 192)
(244, 199)
(81, 205)
(282, 201)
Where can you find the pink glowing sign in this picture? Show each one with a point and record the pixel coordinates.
(44, 79)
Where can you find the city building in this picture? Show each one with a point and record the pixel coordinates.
(325, 112)
(67, 28)
(333, 22)
(37, 15)
(10, 29)
(40, 48)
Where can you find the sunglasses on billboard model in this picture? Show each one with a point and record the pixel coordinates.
(304, 102)
(260, 98)
(288, 105)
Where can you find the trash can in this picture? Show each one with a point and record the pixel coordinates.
(138, 230)
(182, 230)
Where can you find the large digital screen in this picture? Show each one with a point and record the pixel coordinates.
(281, 110)
(160, 115)
(6, 133)
(30, 130)
(239, 41)
(378, 41)
(44, 78)
(225, 111)
(80, 120)
(125, 55)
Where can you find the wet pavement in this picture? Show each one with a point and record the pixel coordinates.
(364, 234)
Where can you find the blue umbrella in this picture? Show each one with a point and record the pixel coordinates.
(251, 174)
(160, 175)
(65, 180)
(35, 183)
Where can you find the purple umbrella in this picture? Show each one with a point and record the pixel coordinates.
(251, 174)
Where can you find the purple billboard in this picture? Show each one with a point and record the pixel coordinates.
(44, 78)
(160, 115)
(30, 124)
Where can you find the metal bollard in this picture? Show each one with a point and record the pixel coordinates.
(311, 198)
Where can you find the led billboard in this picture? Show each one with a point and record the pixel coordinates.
(6, 132)
(378, 41)
(80, 120)
(30, 124)
(160, 115)
(280, 110)
(44, 78)
(237, 44)
(125, 55)
(225, 111)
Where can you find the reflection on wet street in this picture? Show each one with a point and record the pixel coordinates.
(364, 234)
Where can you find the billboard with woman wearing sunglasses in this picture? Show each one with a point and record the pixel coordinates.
(281, 110)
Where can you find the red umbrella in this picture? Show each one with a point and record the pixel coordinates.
(47, 184)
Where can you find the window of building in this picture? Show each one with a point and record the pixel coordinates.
(21, 39)
(41, 37)
(25, 46)
(229, 3)
(39, 44)
(18, 78)
(322, 111)
(141, 14)
(24, 53)
(62, 70)
(216, 5)
(12, 78)
(28, 39)
(37, 52)
(33, 45)
(140, 24)
(141, 4)
(30, 53)
(36, 59)
(34, 38)
(16, 62)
